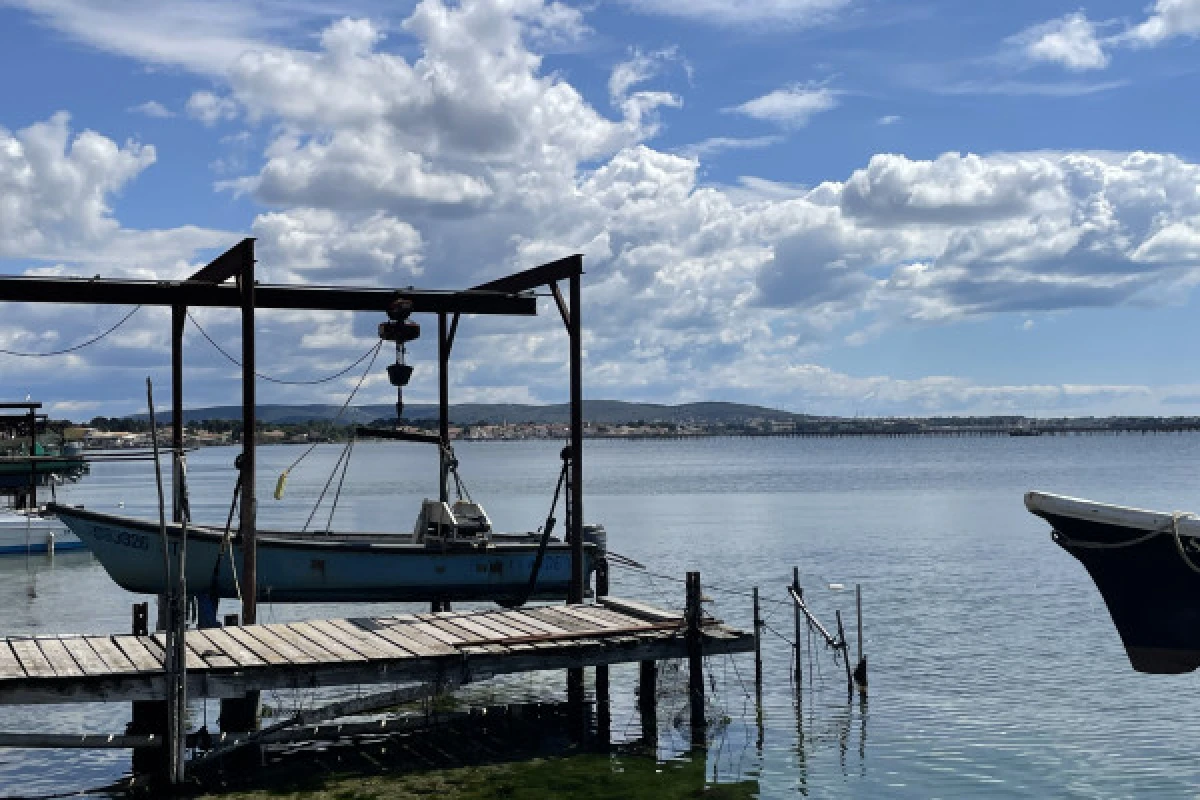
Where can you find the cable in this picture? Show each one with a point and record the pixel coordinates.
(374, 353)
(268, 378)
(73, 348)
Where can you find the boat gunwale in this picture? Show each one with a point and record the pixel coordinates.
(298, 540)
(1046, 504)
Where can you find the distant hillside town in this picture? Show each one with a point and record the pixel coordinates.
(279, 424)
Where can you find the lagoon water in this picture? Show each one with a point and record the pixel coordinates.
(995, 671)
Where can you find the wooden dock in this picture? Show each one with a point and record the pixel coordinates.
(449, 647)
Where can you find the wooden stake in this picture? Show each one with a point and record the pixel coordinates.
(845, 654)
(796, 610)
(695, 645)
(758, 667)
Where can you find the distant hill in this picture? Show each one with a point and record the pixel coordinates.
(608, 412)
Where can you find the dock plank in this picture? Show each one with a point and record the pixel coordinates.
(414, 641)
(640, 610)
(32, 661)
(531, 625)
(191, 659)
(306, 646)
(596, 621)
(465, 635)
(54, 651)
(270, 638)
(85, 656)
(245, 637)
(209, 651)
(142, 659)
(571, 623)
(10, 667)
(385, 645)
(111, 655)
(332, 646)
(437, 633)
(232, 648)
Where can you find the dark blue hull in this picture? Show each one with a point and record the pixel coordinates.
(1145, 572)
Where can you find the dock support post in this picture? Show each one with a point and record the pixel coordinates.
(147, 716)
(240, 714)
(695, 646)
(575, 493)
(647, 700)
(603, 708)
(796, 610)
(249, 423)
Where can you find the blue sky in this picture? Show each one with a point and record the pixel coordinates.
(829, 206)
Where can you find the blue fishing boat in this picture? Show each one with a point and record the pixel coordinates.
(451, 555)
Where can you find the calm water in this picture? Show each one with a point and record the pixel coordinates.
(995, 671)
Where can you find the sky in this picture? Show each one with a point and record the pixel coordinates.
(852, 207)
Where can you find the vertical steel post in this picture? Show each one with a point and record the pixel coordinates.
(178, 319)
(249, 422)
(576, 531)
(443, 409)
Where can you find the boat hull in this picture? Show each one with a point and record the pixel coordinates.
(294, 567)
(37, 535)
(1150, 587)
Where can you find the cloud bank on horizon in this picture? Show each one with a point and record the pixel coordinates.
(918, 232)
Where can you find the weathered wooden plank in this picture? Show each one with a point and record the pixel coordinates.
(143, 658)
(54, 651)
(263, 651)
(310, 648)
(154, 649)
(85, 656)
(465, 636)
(414, 641)
(269, 637)
(373, 647)
(232, 648)
(595, 621)
(334, 647)
(191, 658)
(437, 633)
(531, 625)
(111, 655)
(10, 667)
(571, 623)
(209, 651)
(35, 664)
(640, 610)
(607, 613)
(498, 628)
(476, 627)
(535, 621)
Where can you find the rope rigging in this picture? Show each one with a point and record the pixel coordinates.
(75, 347)
(282, 381)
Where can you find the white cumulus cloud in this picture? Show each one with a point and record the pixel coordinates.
(792, 106)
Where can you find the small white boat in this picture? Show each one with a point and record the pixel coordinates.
(22, 533)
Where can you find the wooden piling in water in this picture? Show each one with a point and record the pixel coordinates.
(796, 611)
(758, 666)
(695, 645)
(845, 654)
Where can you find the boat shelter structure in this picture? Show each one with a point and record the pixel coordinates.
(229, 282)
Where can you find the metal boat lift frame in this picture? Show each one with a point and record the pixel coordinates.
(208, 287)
